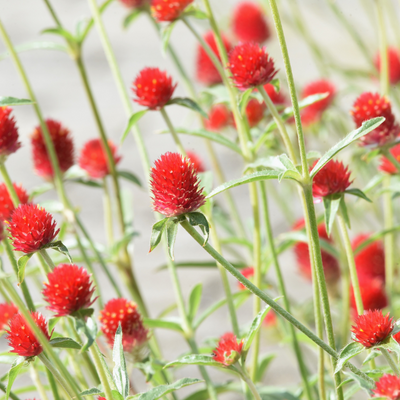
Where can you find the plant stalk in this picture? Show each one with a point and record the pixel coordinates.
(173, 132)
(390, 361)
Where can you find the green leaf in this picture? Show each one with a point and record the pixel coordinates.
(61, 248)
(87, 182)
(165, 36)
(13, 101)
(13, 373)
(38, 190)
(194, 300)
(162, 390)
(361, 382)
(116, 395)
(133, 120)
(195, 359)
(199, 219)
(359, 193)
(65, 343)
(255, 177)
(92, 392)
(364, 129)
(263, 365)
(120, 373)
(163, 324)
(123, 242)
(373, 238)
(331, 207)
(83, 313)
(131, 17)
(89, 329)
(129, 176)
(372, 355)
(22, 262)
(243, 100)
(188, 103)
(171, 231)
(348, 352)
(156, 233)
(61, 32)
(33, 46)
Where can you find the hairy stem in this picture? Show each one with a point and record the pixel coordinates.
(390, 361)
(173, 132)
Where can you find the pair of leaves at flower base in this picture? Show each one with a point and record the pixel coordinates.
(170, 227)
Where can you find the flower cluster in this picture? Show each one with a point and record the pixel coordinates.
(388, 386)
(393, 64)
(7, 311)
(6, 203)
(9, 138)
(168, 10)
(228, 350)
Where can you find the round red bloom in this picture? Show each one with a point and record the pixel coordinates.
(6, 204)
(255, 112)
(21, 338)
(251, 66)
(371, 105)
(394, 64)
(205, 70)
(278, 98)
(168, 10)
(196, 161)
(370, 261)
(247, 272)
(69, 289)
(313, 112)
(7, 311)
(31, 228)
(8, 133)
(386, 165)
(228, 349)
(373, 294)
(219, 117)
(333, 178)
(175, 186)
(270, 319)
(330, 264)
(249, 24)
(124, 312)
(372, 328)
(93, 158)
(153, 88)
(63, 145)
(388, 386)
(134, 3)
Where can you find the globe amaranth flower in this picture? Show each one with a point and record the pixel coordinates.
(249, 23)
(134, 3)
(196, 161)
(21, 338)
(251, 65)
(373, 294)
(63, 146)
(393, 64)
(247, 272)
(370, 261)
(301, 250)
(228, 349)
(386, 165)
(332, 178)
(278, 98)
(270, 319)
(388, 386)
(175, 186)
(6, 203)
(69, 289)
(7, 311)
(93, 158)
(9, 138)
(372, 328)
(313, 112)
(168, 10)
(255, 112)
(219, 118)
(153, 88)
(206, 71)
(371, 105)
(124, 312)
(31, 228)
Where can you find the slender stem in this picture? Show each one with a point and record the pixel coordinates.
(9, 185)
(390, 361)
(249, 382)
(53, 385)
(108, 213)
(13, 396)
(384, 67)
(52, 12)
(173, 132)
(47, 258)
(38, 383)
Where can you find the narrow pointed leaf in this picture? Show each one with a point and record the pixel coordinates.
(163, 324)
(13, 101)
(195, 359)
(156, 233)
(92, 392)
(133, 120)
(65, 343)
(188, 103)
(350, 351)
(13, 373)
(263, 366)
(61, 248)
(120, 373)
(243, 101)
(32, 46)
(359, 193)
(61, 32)
(22, 262)
(194, 300)
(172, 231)
(131, 17)
(129, 176)
(199, 219)
(87, 328)
(331, 207)
(165, 36)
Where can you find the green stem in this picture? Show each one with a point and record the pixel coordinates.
(53, 385)
(13, 396)
(384, 68)
(38, 383)
(173, 132)
(52, 12)
(108, 213)
(390, 361)
(9, 185)
(48, 260)
(243, 374)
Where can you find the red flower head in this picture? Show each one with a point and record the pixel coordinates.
(278, 98)
(255, 112)
(93, 158)
(205, 70)
(313, 112)
(134, 3)
(372, 328)
(175, 186)
(388, 386)
(21, 338)
(394, 65)
(333, 178)
(153, 88)
(228, 350)
(63, 146)
(124, 312)
(168, 10)
(373, 294)
(2, 232)
(371, 105)
(219, 117)
(6, 204)
(247, 272)
(386, 165)
(330, 264)
(196, 161)
(69, 289)
(8, 133)
(251, 66)
(7, 311)
(370, 261)
(249, 24)
(270, 319)
(31, 228)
